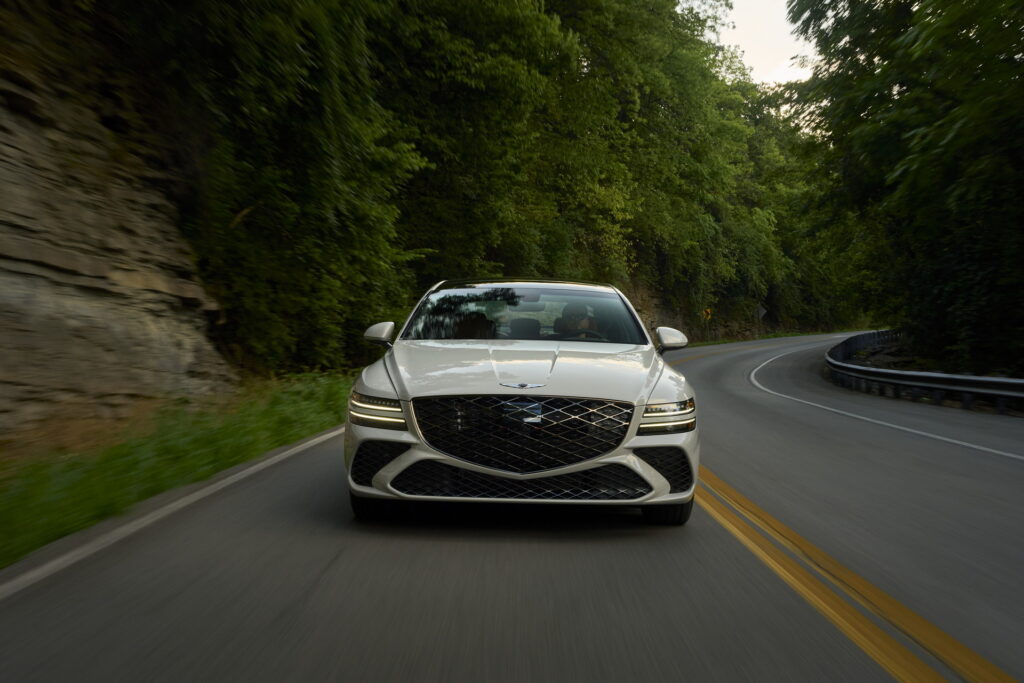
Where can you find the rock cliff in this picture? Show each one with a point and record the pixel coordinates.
(100, 304)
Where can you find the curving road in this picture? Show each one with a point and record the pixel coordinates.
(883, 540)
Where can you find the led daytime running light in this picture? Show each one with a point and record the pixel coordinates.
(674, 427)
(363, 416)
(390, 405)
(659, 425)
(373, 407)
(682, 408)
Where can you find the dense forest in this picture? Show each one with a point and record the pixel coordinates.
(344, 154)
(920, 108)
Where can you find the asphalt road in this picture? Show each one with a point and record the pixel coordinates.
(270, 579)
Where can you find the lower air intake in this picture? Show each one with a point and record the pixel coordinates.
(671, 463)
(373, 455)
(433, 478)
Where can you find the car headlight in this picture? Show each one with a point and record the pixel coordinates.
(668, 418)
(373, 411)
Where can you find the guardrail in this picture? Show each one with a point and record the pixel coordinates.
(1003, 393)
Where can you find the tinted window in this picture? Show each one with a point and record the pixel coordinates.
(528, 313)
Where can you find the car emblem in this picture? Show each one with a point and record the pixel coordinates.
(520, 385)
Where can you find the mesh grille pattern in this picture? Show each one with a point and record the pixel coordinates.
(671, 463)
(433, 478)
(371, 456)
(522, 433)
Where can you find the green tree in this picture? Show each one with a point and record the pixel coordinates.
(345, 153)
(464, 78)
(919, 102)
(292, 212)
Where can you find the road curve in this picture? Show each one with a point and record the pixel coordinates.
(270, 579)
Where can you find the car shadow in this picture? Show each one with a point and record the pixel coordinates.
(485, 521)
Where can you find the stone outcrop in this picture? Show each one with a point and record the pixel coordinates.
(100, 304)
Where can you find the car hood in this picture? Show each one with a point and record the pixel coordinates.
(619, 372)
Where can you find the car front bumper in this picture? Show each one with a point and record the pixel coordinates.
(527, 488)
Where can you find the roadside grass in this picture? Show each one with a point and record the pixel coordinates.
(47, 497)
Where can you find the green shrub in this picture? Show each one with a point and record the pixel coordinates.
(43, 499)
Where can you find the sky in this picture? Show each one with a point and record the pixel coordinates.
(763, 34)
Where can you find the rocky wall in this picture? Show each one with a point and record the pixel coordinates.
(100, 304)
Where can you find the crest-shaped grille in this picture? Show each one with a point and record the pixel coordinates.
(522, 433)
(608, 482)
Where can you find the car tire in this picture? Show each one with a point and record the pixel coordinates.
(668, 515)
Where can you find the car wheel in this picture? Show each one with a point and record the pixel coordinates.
(668, 515)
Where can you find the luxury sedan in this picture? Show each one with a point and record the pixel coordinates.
(524, 391)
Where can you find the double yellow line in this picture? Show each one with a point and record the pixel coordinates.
(826, 581)
(869, 636)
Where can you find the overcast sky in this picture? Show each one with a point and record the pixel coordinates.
(763, 34)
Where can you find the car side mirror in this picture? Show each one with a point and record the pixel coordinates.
(670, 338)
(381, 333)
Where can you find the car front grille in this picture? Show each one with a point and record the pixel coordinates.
(607, 482)
(671, 463)
(373, 455)
(522, 434)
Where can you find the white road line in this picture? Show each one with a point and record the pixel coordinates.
(32, 576)
(753, 380)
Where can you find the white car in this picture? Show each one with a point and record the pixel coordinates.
(524, 391)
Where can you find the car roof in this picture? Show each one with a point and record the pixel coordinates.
(522, 283)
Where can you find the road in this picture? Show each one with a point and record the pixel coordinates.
(270, 579)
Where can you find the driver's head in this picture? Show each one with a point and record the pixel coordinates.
(575, 317)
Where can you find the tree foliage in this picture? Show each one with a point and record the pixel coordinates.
(919, 102)
(293, 211)
(345, 153)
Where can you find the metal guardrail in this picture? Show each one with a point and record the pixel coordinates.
(1002, 392)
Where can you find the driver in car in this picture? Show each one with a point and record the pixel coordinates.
(576, 321)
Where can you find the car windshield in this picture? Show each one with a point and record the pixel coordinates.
(525, 313)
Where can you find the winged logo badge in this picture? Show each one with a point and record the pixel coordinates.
(520, 385)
